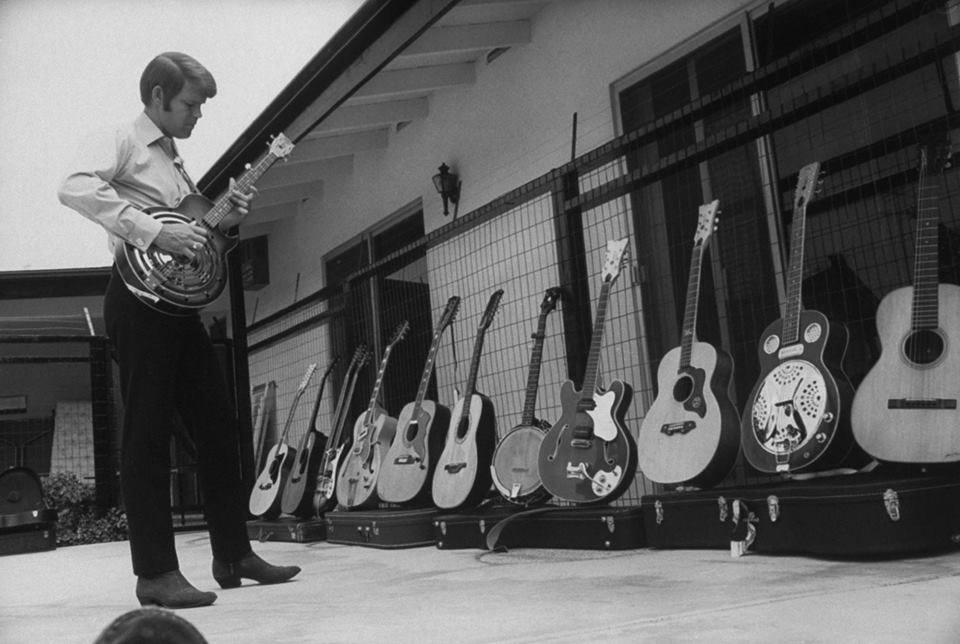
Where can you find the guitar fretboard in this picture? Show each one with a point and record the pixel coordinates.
(222, 207)
(926, 265)
(533, 375)
(689, 329)
(593, 359)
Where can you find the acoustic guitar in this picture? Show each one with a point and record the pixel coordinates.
(587, 456)
(514, 469)
(407, 468)
(324, 497)
(265, 496)
(905, 410)
(297, 497)
(798, 414)
(462, 476)
(173, 284)
(691, 433)
(372, 434)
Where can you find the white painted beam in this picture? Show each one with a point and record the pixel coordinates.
(413, 81)
(373, 115)
(286, 194)
(289, 174)
(470, 37)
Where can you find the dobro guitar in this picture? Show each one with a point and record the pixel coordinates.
(462, 476)
(297, 498)
(172, 284)
(407, 468)
(514, 469)
(372, 434)
(265, 496)
(324, 497)
(905, 410)
(797, 415)
(587, 456)
(691, 433)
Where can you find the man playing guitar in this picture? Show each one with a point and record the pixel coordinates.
(167, 363)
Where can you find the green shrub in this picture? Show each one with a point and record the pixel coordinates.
(79, 520)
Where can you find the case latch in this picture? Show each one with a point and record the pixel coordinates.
(658, 508)
(722, 507)
(891, 501)
(773, 508)
(611, 523)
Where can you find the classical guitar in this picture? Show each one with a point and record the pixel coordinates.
(265, 496)
(587, 456)
(407, 467)
(372, 434)
(691, 433)
(297, 497)
(514, 469)
(324, 496)
(905, 410)
(462, 476)
(173, 284)
(797, 415)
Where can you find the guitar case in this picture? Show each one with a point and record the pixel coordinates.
(25, 524)
(382, 528)
(858, 515)
(502, 527)
(287, 528)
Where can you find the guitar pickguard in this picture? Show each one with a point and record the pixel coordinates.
(789, 407)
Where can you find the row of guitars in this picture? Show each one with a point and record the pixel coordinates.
(803, 413)
(450, 458)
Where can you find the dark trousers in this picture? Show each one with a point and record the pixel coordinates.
(168, 368)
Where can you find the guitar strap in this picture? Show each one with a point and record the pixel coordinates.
(178, 164)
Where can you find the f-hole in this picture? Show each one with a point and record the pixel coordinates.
(923, 347)
(683, 388)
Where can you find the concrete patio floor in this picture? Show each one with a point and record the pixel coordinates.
(352, 594)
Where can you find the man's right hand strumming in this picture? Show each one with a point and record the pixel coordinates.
(181, 239)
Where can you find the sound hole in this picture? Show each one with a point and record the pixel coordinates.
(923, 347)
(683, 388)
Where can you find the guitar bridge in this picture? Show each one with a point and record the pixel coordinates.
(922, 403)
(677, 428)
(453, 468)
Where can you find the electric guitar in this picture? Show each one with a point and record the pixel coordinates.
(587, 456)
(691, 433)
(462, 476)
(797, 415)
(265, 496)
(514, 469)
(324, 497)
(297, 498)
(173, 284)
(408, 466)
(905, 410)
(372, 434)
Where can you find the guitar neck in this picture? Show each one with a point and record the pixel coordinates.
(222, 207)
(427, 372)
(376, 386)
(471, 384)
(791, 320)
(926, 266)
(689, 330)
(316, 403)
(593, 359)
(533, 375)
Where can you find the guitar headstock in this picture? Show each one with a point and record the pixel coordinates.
(360, 357)
(616, 254)
(808, 181)
(399, 333)
(280, 146)
(935, 154)
(707, 223)
(492, 305)
(550, 299)
(449, 313)
(306, 377)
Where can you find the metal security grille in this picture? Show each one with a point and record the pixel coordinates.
(855, 85)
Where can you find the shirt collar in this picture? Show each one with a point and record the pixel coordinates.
(146, 130)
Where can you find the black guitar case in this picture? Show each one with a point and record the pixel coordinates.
(857, 515)
(501, 527)
(25, 525)
(382, 528)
